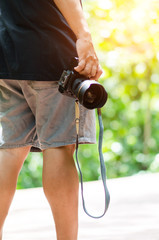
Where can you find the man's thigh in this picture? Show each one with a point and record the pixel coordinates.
(17, 122)
(11, 161)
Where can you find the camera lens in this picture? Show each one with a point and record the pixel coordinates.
(91, 94)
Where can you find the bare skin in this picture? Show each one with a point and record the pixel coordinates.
(60, 184)
(11, 161)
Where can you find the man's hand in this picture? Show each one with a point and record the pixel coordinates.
(88, 62)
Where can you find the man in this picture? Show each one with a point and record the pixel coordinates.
(37, 40)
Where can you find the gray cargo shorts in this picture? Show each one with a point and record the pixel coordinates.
(35, 113)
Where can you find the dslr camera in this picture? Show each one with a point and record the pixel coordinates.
(89, 93)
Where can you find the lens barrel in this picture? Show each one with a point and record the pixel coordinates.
(91, 94)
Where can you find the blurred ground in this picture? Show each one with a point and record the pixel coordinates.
(133, 213)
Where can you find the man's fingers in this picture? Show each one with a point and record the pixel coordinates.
(87, 70)
(98, 74)
(94, 71)
(89, 67)
(81, 66)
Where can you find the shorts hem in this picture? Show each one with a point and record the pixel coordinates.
(5, 146)
(60, 144)
(46, 146)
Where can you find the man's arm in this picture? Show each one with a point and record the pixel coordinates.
(88, 62)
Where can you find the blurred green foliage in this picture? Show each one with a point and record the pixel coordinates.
(31, 173)
(126, 38)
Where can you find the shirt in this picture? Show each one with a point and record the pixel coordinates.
(36, 42)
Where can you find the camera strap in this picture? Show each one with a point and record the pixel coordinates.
(102, 164)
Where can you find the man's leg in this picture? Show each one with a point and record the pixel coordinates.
(11, 161)
(60, 183)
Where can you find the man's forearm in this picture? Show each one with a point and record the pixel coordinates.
(88, 64)
(73, 13)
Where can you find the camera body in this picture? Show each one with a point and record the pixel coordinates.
(66, 82)
(90, 93)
